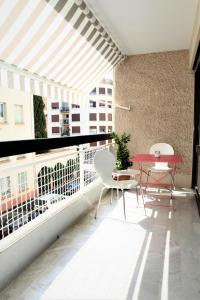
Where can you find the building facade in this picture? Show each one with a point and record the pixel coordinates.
(93, 117)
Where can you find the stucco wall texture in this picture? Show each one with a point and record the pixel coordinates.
(160, 89)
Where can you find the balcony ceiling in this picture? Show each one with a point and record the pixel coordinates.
(146, 26)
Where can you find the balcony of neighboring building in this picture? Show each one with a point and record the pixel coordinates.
(64, 108)
(65, 122)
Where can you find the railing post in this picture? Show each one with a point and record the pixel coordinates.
(81, 166)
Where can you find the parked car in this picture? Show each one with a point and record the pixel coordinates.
(17, 221)
(43, 202)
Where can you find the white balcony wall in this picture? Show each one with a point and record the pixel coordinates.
(24, 245)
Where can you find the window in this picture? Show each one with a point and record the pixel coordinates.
(93, 92)
(109, 117)
(75, 117)
(22, 182)
(102, 117)
(55, 118)
(102, 129)
(75, 106)
(101, 91)
(76, 129)
(55, 129)
(2, 111)
(109, 129)
(93, 129)
(109, 104)
(5, 186)
(55, 105)
(102, 103)
(64, 107)
(93, 144)
(109, 92)
(92, 103)
(93, 117)
(19, 114)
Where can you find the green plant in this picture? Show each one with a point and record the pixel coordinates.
(59, 174)
(122, 161)
(39, 117)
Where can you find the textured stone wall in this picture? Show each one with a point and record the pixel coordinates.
(160, 89)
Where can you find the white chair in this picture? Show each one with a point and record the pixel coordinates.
(165, 149)
(161, 167)
(104, 163)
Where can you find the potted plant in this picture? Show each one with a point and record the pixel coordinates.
(122, 162)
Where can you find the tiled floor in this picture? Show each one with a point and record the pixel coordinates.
(147, 257)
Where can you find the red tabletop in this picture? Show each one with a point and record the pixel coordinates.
(173, 159)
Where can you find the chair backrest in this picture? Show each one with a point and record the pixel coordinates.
(104, 164)
(165, 149)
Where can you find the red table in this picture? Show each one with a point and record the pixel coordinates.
(171, 159)
(150, 158)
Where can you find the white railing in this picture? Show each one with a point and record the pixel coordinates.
(38, 184)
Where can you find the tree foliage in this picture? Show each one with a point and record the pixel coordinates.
(45, 180)
(122, 161)
(59, 175)
(39, 117)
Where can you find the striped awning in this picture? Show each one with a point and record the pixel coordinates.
(59, 41)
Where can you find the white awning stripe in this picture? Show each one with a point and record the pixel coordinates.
(59, 41)
(84, 66)
(63, 60)
(47, 38)
(28, 35)
(76, 65)
(11, 34)
(89, 68)
(99, 75)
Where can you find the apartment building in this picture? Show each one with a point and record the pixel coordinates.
(20, 174)
(58, 118)
(16, 123)
(94, 116)
(62, 119)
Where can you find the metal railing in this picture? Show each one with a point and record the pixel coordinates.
(30, 187)
(65, 122)
(64, 109)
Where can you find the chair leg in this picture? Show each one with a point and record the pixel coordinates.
(147, 181)
(171, 185)
(117, 193)
(111, 198)
(124, 204)
(136, 188)
(101, 193)
(143, 203)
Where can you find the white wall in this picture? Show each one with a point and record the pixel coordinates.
(9, 130)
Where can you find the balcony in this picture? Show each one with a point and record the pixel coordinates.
(65, 122)
(47, 216)
(47, 185)
(64, 189)
(156, 256)
(64, 109)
